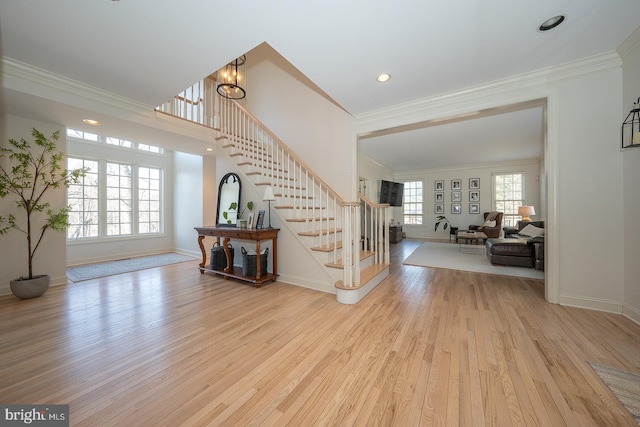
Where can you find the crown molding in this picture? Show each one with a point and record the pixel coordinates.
(483, 96)
(506, 166)
(630, 45)
(23, 72)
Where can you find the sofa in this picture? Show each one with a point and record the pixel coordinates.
(522, 246)
(491, 226)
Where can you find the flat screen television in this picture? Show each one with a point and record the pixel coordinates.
(391, 192)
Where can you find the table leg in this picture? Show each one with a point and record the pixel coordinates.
(274, 258)
(227, 253)
(204, 254)
(258, 263)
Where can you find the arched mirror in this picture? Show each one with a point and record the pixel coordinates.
(228, 192)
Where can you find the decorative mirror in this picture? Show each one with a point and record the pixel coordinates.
(228, 192)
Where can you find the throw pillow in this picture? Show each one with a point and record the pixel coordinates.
(532, 231)
(489, 224)
(491, 216)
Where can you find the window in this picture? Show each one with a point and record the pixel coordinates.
(412, 203)
(83, 199)
(119, 206)
(149, 200)
(508, 196)
(78, 134)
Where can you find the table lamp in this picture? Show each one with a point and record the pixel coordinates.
(268, 197)
(525, 212)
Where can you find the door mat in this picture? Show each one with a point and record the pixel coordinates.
(624, 385)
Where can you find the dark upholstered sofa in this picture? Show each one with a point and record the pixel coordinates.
(516, 249)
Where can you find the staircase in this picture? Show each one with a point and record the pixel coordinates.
(346, 238)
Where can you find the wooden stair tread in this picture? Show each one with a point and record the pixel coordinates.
(339, 264)
(300, 207)
(317, 233)
(329, 248)
(309, 219)
(366, 274)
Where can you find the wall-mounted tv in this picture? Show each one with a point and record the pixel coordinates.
(391, 192)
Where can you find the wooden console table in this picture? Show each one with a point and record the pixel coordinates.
(228, 233)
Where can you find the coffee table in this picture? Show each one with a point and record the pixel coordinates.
(471, 238)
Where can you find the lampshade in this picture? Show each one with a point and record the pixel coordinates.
(268, 195)
(232, 79)
(631, 127)
(525, 212)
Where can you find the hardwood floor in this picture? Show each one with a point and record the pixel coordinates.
(169, 346)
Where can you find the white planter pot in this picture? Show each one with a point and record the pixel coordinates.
(30, 288)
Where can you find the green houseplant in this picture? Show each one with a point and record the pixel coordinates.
(441, 219)
(234, 207)
(28, 173)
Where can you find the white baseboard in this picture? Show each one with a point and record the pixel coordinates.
(316, 286)
(632, 313)
(354, 296)
(591, 303)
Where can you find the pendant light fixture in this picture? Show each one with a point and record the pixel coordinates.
(631, 127)
(232, 79)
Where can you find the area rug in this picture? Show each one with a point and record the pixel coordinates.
(92, 271)
(450, 256)
(624, 385)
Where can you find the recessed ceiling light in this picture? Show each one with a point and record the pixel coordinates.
(384, 77)
(551, 23)
(209, 149)
(91, 122)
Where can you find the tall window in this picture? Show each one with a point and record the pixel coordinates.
(149, 200)
(103, 203)
(83, 198)
(508, 196)
(412, 203)
(119, 197)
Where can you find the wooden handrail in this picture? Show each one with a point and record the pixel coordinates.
(372, 203)
(341, 199)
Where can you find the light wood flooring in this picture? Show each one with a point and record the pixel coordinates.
(169, 346)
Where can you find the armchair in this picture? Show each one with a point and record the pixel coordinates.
(493, 231)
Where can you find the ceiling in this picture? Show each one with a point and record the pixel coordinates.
(150, 50)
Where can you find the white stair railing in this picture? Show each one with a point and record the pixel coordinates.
(319, 207)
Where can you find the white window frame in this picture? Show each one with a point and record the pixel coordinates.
(413, 203)
(509, 202)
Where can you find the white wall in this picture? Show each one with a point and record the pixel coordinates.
(373, 172)
(187, 201)
(463, 220)
(50, 256)
(631, 182)
(583, 168)
(316, 129)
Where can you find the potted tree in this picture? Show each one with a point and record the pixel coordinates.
(28, 173)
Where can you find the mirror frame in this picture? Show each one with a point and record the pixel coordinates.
(225, 180)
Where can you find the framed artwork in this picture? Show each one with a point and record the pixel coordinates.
(456, 184)
(474, 183)
(474, 208)
(251, 220)
(456, 196)
(438, 185)
(439, 197)
(456, 208)
(260, 220)
(474, 196)
(439, 208)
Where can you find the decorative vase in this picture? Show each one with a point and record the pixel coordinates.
(30, 288)
(242, 223)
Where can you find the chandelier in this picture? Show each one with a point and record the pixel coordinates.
(232, 79)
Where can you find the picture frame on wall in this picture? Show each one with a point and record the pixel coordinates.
(474, 208)
(439, 197)
(438, 185)
(456, 184)
(474, 183)
(260, 220)
(474, 196)
(438, 209)
(251, 220)
(456, 196)
(456, 208)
